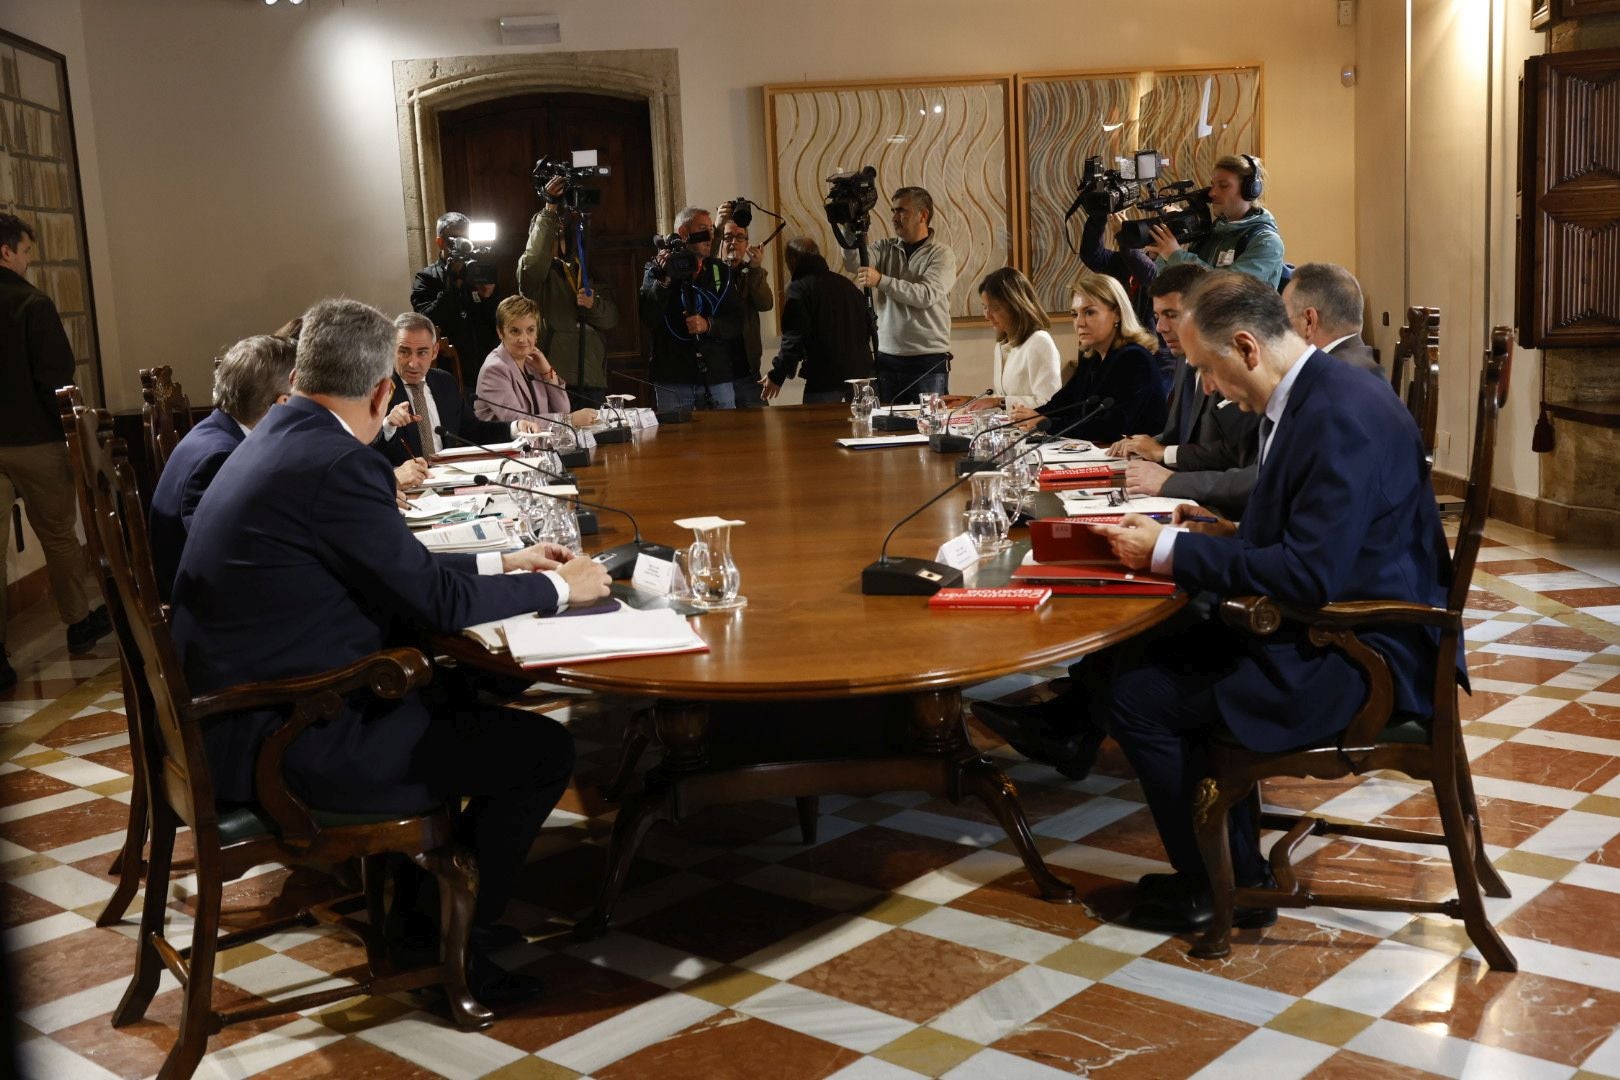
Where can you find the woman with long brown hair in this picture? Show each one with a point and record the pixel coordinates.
(1028, 366)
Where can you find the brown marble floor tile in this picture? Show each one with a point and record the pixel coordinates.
(1481, 600)
(68, 964)
(1351, 866)
(1583, 598)
(1523, 566)
(1133, 834)
(29, 688)
(1524, 1012)
(580, 995)
(1040, 801)
(878, 857)
(253, 900)
(25, 785)
(1015, 899)
(1608, 854)
(1568, 915)
(1304, 793)
(1574, 770)
(909, 975)
(18, 907)
(1519, 669)
(727, 922)
(1105, 1031)
(568, 881)
(728, 1046)
(334, 953)
(1349, 1065)
(1506, 823)
(84, 728)
(1292, 957)
(736, 826)
(349, 1059)
(68, 825)
(114, 757)
(1584, 718)
(1477, 704)
(1555, 637)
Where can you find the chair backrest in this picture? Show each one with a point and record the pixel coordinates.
(179, 774)
(1415, 371)
(165, 415)
(450, 357)
(1493, 391)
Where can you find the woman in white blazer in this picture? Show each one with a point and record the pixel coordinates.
(1028, 366)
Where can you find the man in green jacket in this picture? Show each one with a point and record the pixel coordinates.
(572, 316)
(1245, 235)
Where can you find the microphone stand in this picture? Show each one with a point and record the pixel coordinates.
(677, 415)
(923, 577)
(571, 459)
(620, 560)
(587, 521)
(902, 423)
(972, 464)
(942, 441)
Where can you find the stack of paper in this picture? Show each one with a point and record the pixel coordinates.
(470, 451)
(1076, 451)
(429, 507)
(869, 442)
(473, 536)
(547, 642)
(1082, 504)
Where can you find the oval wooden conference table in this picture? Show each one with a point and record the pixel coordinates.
(814, 688)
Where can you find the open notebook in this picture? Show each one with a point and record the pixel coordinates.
(534, 641)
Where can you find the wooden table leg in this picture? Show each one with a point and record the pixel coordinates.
(682, 729)
(938, 726)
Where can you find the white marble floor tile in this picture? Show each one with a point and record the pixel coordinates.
(1105, 863)
(1369, 799)
(790, 842)
(1609, 613)
(1491, 787)
(871, 1068)
(1273, 1055)
(992, 935)
(1592, 876)
(434, 1045)
(105, 844)
(1086, 818)
(1565, 740)
(1574, 835)
(65, 886)
(659, 894)
(1522, 712)
(995, 1065)
(1555, 582)
(49, 928)
(644, 959)
(950, 829)
(1491, 630)
(60, 801)
(278, 976)
(816, 945)
(1419, 1048)
(266, 1051)
(1003, 1007)
(830, 1019)
(798, 884)
(42, 1058)
(80, 773)
(632, 1030)
(96, 746)
(1583, 676)
(1197, 990)
(1374, 982)
(1605, 1060)
(961, 877)
(1534, 652)
(1560, 962)
(1501, 686)
(76, 1008)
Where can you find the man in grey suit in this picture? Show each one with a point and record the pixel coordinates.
(1207, 449)
(1324, 304)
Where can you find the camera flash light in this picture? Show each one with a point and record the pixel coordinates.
(481, 232)
(1147, 165)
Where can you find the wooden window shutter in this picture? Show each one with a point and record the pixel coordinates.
(1569, 191)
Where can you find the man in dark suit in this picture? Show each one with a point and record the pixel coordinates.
(255, 374)
(1342, 510)
(299, 562)
(425, 398)
(826, 330)
(1325, 305)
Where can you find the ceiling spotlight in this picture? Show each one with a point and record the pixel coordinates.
(269, 3)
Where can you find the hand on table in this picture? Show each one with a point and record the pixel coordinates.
(1142, 446)
(1132, 539)
(1145, 478)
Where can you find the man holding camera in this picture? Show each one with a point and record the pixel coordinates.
(447, 294)
(749, 277)
(572, 315)
(911, 274)
(693, 313)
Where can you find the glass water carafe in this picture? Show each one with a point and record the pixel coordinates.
(712, 578)
(985, 519)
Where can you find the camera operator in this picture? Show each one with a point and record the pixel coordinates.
(1245, 235)
(444, 293)
(693, 314)
(572, 317)
(746, 265)
(825, 335)
(912, 274)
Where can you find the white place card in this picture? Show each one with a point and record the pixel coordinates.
(959, 552)
(653, 576)
(710, 522)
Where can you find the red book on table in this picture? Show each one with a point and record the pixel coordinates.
(1091, 580)
(1023, 598)
(1070, 540)
(1076, 476)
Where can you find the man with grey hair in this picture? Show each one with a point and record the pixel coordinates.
(911, 275)
(254, 374)
(1325, 307)
(298, 562)
(442, 292)
(1342, 510)
(693, 320)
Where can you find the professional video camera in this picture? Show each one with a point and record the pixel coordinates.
(576, 175)
(474, 262)
(1105, 191)
(680, 262)
(1183, 209)
(1180, 207)
(850, 199)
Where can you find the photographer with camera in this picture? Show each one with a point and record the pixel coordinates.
(746, 264)
(911, 274)
(572, 314)
(457, 293)
(1244, 235)
(688, 304)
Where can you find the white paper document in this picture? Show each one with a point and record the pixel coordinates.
(473, 536)
(471, 451)
(1137, 504)
(542, 642)
(883, 440)
(1076, 452)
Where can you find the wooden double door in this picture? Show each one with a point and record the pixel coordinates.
(489, 151)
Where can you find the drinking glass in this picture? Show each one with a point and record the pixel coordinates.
(863, 399)
(930, 414)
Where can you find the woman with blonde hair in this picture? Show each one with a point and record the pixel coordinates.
(1028, 366)
(1116, 365)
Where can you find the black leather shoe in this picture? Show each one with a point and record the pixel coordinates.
(1046, 733)
(1183, 910)
(496, 987)
(1155, 886)
(83, 635)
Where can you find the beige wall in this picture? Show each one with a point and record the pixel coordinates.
(248, 159)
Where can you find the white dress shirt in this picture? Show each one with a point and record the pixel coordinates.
(1030, 373)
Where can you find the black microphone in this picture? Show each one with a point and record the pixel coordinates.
(1074, 207)
(680, 414)
(972, 463)
(571, 459)
(620, 560)
(618, 429)
(562, 478)
(904, 423)
(924, 577)
(942, 441)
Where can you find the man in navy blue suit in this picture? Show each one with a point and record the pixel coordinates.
(425, 398)
(298, 562)
(1342, 509)
(255, 374)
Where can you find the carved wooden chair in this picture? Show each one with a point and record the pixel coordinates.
(1434, 753)
(450, 358)
(1415, 372)
(165, 415)
(279, 828)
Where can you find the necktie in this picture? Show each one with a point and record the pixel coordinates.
(424, 426)
(1191, 391)
(1267, 426)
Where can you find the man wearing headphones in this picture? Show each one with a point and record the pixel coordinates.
(1245, 235)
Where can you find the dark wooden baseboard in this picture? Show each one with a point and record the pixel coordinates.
(1579, 524)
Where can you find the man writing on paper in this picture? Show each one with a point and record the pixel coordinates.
(299, 562)
(1342, 510)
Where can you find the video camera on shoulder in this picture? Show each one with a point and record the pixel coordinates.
(850, 199)
(1180, 207)
(680, 261)
(474, 262)
(577, 174)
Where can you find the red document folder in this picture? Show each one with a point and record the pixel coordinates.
(1092, 580)
(1069, 539)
